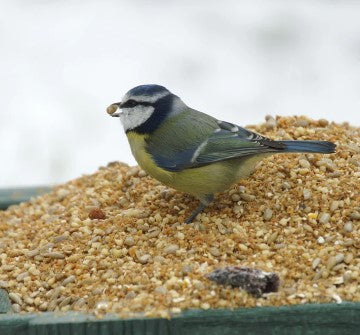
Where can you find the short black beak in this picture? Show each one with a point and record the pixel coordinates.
(114, 109)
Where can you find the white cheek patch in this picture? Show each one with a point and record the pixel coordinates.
(136, 116)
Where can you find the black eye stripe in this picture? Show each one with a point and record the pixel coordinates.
(132, 103)
(144, 103)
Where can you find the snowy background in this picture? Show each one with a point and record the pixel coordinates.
(63, 62)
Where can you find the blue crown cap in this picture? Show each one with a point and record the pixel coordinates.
(147, 90)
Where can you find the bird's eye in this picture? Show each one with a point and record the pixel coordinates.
(130, 103)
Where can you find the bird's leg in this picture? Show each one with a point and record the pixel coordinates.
(195, 212)
(203, 203)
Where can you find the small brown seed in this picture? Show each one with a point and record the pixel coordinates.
(112, 109)
(97, 213)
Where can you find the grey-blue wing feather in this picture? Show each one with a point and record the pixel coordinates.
(178, 161)
(235, 143)
(219, 141)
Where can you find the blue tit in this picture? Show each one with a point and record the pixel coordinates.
(191, 151)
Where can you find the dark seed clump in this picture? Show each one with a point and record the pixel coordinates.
(253, 281)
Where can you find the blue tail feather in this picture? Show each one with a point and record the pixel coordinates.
(323, 147)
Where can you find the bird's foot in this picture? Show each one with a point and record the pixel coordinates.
(203, 203)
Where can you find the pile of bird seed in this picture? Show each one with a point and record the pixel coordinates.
(115, 241)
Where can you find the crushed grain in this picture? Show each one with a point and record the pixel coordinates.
(141, 257)
(268, 213)
(348, 227)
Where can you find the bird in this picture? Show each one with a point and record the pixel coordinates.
(191, 151)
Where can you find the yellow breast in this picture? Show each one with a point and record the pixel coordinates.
(137, 145)
(208, 179)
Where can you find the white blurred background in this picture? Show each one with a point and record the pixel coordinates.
(63, 62)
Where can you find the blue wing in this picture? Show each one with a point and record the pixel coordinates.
(214, 141)
(232, 141)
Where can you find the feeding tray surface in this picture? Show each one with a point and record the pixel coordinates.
(313, 319)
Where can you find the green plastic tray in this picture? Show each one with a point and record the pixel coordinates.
(314, 319)
(327, 319)
(11, 196)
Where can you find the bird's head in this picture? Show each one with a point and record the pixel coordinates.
(144, 107)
